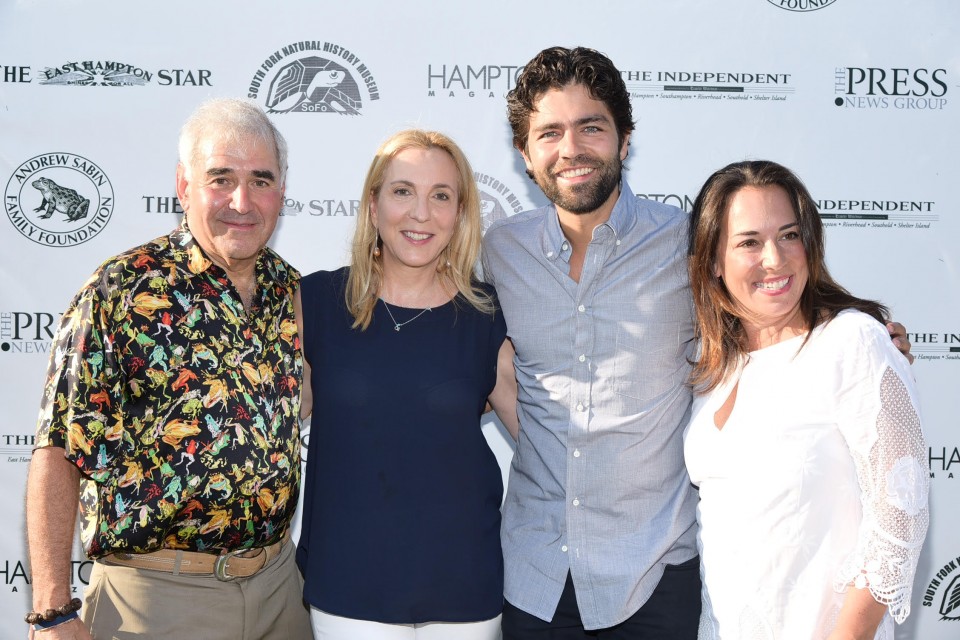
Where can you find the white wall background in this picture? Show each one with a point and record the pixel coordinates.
(860, 98)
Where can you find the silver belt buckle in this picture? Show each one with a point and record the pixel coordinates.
(220, 566)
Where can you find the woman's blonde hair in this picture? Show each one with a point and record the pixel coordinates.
(457, 260)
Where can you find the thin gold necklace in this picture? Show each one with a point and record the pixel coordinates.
(397, 325)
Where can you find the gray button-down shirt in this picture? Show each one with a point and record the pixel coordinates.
(597, 486)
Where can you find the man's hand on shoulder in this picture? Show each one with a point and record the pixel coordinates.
(898, 333)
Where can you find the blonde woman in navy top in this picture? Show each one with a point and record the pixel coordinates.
(401, 520)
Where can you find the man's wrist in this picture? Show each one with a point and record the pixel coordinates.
(55, 616)
(56, 622)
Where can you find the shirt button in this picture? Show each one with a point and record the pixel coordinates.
(576, 453)
(582, 358)
(564, 246)
(581, 308)
(549, 254)
(576, 502)
(579, 406)
(618, 243)
(563, 548)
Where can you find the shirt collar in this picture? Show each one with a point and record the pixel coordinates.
(187, 253)
(623, 217)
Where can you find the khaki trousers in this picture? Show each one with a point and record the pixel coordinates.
(123, 603)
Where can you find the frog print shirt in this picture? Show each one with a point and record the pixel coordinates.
(179, 406)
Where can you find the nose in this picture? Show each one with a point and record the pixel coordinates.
(569, 145)
(420, 210)
(240, 199)
(772, 256)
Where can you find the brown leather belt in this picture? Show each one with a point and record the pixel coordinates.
(241, 563)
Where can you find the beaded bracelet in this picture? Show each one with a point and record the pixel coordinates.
(40, 626)
(67, 612)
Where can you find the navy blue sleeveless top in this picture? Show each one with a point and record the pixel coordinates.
(401, 512)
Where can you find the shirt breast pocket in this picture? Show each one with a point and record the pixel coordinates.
(649, 360)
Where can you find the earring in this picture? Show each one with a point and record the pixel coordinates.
(376, 245)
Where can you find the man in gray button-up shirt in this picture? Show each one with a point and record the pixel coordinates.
(599, 521)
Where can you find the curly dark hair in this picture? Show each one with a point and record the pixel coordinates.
(555, 68)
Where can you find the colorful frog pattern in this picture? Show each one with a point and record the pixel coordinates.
(179, 406)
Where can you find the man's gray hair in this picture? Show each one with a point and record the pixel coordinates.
(229, 120)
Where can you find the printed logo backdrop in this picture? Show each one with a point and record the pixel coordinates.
(859, 99)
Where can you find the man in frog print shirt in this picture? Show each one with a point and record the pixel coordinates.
(170, 414)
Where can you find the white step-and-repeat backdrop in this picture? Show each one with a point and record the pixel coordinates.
(861, 98)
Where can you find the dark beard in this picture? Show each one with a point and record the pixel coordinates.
(585, 198)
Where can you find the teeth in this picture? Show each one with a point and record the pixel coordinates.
(416, 236)
(576, 172)
(773, 286)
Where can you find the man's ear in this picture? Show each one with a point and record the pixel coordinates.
(526, 158)
(182, 182)
(623, 147)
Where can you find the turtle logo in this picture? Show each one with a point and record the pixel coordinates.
(950, 607)
(336, 82)
(949, 602)
(496, 200)
(490, 210)
(314, 84)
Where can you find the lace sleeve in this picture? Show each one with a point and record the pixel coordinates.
(894, 477)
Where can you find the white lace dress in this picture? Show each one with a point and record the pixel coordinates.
(818, 480)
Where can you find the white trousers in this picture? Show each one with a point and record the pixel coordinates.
(331, 627)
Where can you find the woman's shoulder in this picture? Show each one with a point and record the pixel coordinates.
(851, 322)
(319, 280)
(320, 289)
(485, 288)
(855, 336)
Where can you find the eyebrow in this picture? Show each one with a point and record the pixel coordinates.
(439, 185)
(753, 233)
(265, 174)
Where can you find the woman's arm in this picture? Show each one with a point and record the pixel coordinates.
(879, 418)
(503, 398)
(859, 617)
(306, 391)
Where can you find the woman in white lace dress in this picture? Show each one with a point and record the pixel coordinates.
(805, 437)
